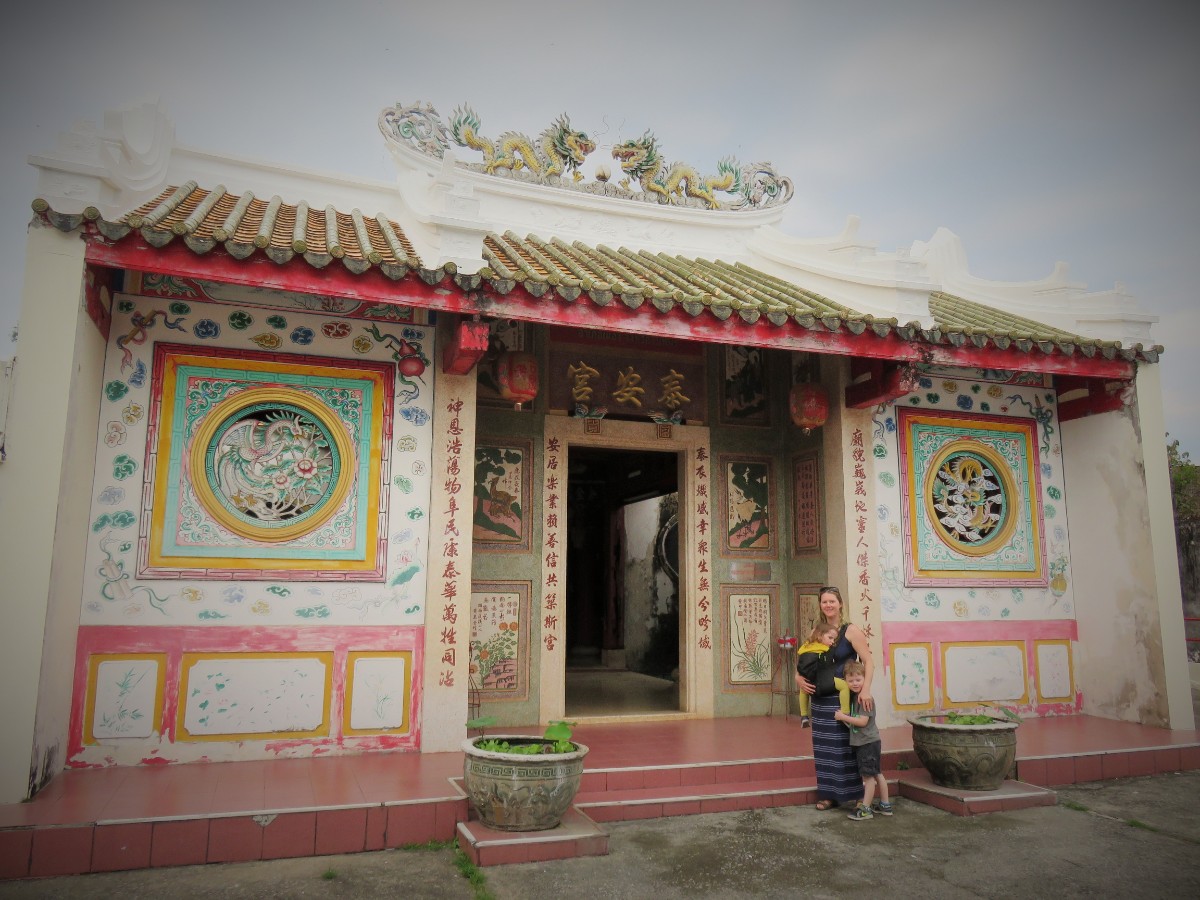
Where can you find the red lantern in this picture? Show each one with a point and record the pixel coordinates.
(517, 376)
(809, 405)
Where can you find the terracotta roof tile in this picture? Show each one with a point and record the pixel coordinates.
(247, 224)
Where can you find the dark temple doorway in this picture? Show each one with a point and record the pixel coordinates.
(622, 582)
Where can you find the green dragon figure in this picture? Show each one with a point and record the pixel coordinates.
(558, 149)
(640, 158)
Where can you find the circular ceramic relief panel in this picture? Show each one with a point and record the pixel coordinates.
(271, 464)
(970, 498)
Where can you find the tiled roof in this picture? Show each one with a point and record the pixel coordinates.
(549, 269)
(246, 223)
(696, 285)
(978, 322)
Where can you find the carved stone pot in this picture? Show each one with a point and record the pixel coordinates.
(968, 757)
(519, 792)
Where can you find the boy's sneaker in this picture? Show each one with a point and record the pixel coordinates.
(805, 722)
(880, 808)
(861, 814)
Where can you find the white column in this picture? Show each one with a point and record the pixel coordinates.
(448, 588)
(45, 493)
(1131, 662)
(1166, 556)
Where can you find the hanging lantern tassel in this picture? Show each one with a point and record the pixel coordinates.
(809, 406)
(516, 375)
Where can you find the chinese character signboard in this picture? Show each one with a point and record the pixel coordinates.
(638, 377)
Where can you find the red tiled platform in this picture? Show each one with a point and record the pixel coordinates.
(104, 819)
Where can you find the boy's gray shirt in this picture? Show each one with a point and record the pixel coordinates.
(869, 733)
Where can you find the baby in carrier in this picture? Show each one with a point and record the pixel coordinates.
(815, 663)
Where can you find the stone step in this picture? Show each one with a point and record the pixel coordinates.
(1011, 795)
(576, 835)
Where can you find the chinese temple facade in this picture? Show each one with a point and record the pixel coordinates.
(303, 465)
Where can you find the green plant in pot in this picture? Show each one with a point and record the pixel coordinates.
(522, 782)
(972, 751)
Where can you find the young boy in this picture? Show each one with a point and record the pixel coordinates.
(864, 738)
(814, 663)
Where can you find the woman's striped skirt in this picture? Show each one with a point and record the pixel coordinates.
(837, 769)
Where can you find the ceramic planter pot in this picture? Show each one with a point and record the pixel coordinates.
(519, 792)
(968, 757)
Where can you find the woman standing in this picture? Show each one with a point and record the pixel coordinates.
(837, 772)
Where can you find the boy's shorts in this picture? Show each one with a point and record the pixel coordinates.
(868, 758)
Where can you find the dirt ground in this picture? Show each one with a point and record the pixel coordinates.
(1135, 837)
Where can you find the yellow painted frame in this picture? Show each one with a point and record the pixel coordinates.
(157, 559)
(916, 505)
(190, 659)
(1020, 645)
(352, 657)
(927, 646)
(89, 702)
(1066, 642)
(221, 413)
(999, 467)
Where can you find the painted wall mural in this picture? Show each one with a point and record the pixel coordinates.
(188, 290)
(972, 522)
(751, 623)
(125, 695)
(749, 528)
(378, 692)
(743, 386)
(243, 696)
(970, 498)
(235, 486)
(500, 501)
(197, 692)
(500, 640)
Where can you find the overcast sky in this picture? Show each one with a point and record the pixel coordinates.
(1036, 131)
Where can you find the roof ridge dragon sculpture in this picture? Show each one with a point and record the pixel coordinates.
(560, 150)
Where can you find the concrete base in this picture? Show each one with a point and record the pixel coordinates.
(917, 785)
(576, 835)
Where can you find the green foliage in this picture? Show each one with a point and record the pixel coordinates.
(1185, 483)
(481, 723)
(429, 845)
(556, 739)
(1078, 807)
(967, 719)
(329, 874)
(984, 714)
(473, 874)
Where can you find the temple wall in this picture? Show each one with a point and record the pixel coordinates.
(257, 545)
(975, 611)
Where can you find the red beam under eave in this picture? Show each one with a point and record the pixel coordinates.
(132, 252)
(1098, 400)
